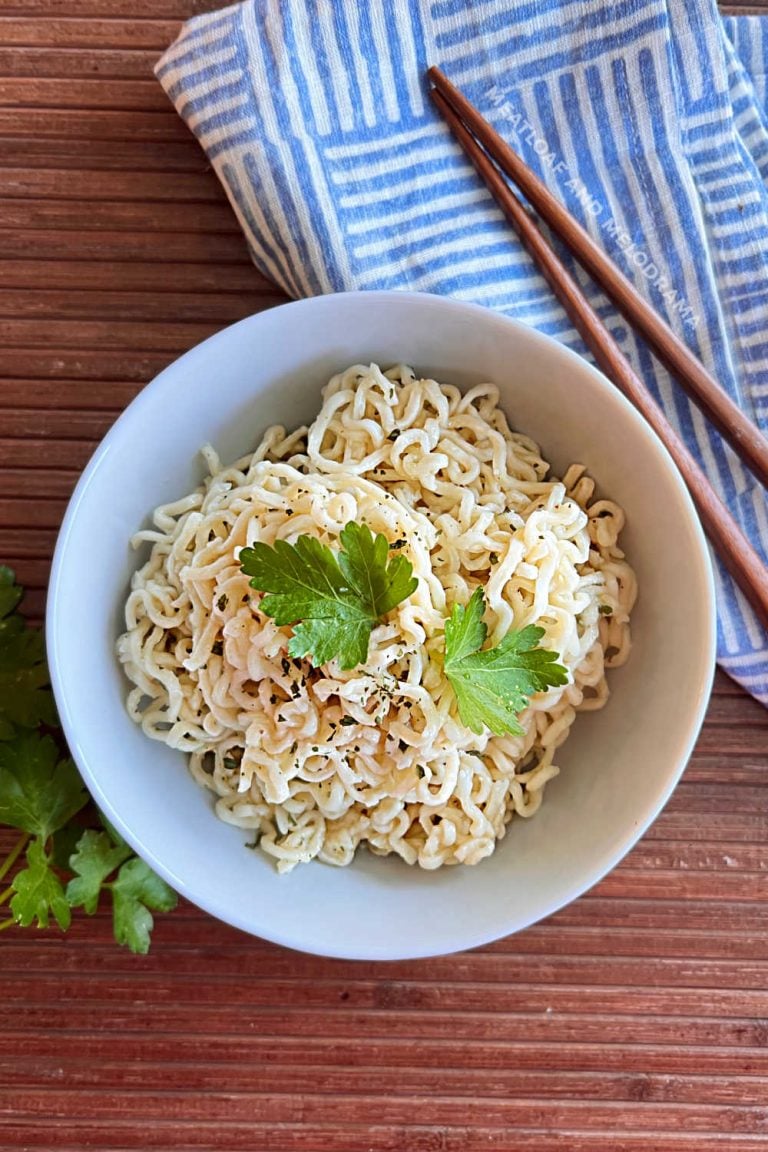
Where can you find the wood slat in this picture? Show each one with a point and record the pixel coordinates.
(138, 187)
(163, 1108)
(156, 336)
(120, 95)
(134, 155)
(669, 915)
(531, 961)
(712, 827)
(50, 454)
(31, 513)
(39, 483)
(91, 124)
(103, 246)
(115, 1076)
(67, 394)
(28, 543)
(95, 213)
(33, 364)
(709, 770)
(674, 855)
(62, 305)
(131, 275)
(68, 30)
(58, 424)
(300, 1137)
(635, 1073)
(56, 62)
(298, 1020)
(511, 999)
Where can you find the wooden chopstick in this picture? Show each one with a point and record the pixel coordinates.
(746, 440)
(737, 553)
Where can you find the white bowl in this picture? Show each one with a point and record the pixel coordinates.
(619, 765)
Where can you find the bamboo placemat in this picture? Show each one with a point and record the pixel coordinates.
(635, 1019)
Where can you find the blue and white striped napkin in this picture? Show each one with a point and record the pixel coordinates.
(647, 118)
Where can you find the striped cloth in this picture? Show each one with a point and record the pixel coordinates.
(647, 118)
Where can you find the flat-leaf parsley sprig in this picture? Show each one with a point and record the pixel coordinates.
(42, 795)
(333, 600)
(493, 685)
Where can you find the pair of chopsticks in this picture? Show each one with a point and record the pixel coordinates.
(493, 159)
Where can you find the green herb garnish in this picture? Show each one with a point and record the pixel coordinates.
(493, 685)
(41, 793)
(135, 890)
(334, 600)
(25, 700)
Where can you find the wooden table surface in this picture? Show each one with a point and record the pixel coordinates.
(637, 1018)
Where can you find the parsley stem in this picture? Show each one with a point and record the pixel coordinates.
(9, 923)
(14, 854)
(7, 894)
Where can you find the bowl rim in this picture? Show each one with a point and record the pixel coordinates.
(146, 398)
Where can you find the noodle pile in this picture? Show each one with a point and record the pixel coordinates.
(318, 760)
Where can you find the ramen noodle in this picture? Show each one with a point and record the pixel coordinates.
(316, 761)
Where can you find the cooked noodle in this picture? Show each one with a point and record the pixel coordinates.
(319, 760)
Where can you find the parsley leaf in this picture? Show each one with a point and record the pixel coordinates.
(38, 891)
(492, 686)
(25, 700)
(94, 859)
(38, 792)
(136, 890)
(334, 601)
